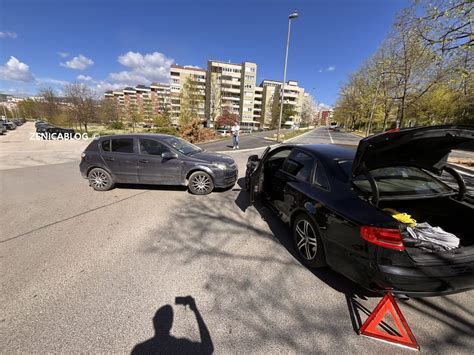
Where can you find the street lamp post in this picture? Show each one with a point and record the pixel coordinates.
(293, 15)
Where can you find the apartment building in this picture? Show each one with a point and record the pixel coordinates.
(231, 86)
(195, 92)
(271, 94)
(189, 81)
(146, 100)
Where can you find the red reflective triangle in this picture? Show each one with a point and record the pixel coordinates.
(388, 305)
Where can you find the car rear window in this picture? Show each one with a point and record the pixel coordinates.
(122, 145)
(397, 181)
(299, 164)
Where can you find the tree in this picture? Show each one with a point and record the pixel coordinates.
(446, 25)
(82, 104)
(413, 78)
(5, 111)
(30, 108)
(50, 105)
(308, 110)
(109, 111)
(227, 118)
(162, 120)
(191, 99)
(288, 111)
(215, 96)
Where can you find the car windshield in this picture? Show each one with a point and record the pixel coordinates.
(397, 181)
(182, 146)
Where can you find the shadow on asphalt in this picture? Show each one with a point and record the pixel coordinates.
(164, 343)
(282, 233)
(253, 283)
(163, 187)
(354, 293)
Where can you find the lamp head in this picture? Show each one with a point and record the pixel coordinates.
(293, 15)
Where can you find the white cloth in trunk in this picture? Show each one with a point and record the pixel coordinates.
(435, 235)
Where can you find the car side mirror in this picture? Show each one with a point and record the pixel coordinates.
(169, 155)
(253, 158)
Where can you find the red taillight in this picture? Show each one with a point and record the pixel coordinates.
(385, 237)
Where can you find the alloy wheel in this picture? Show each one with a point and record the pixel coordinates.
(306, 241)
(201, 183)
(98, 180)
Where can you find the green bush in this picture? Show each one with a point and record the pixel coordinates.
(116, 125)
(166, 130)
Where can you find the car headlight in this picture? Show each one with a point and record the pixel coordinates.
(221, 166)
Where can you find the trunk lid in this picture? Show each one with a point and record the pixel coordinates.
(425, 147)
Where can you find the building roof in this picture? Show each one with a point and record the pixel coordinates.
(187, 68)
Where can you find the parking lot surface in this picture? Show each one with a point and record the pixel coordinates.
(86, 271)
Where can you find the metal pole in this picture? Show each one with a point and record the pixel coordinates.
(282, 95)
(373, 106)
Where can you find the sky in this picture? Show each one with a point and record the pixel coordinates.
(109, 44)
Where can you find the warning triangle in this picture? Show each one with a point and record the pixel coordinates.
(388, 306)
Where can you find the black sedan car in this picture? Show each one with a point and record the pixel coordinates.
(157, 159)
(9, 125)
(335, 199)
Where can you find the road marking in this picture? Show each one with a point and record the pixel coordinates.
(332, 140)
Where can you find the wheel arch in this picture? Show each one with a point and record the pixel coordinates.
(199, 168)
(99, 167)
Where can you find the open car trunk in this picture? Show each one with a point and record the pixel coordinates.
(451, 215)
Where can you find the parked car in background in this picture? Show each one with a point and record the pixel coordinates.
(223, 132)
(336, 200)
(157, 159)
(3, 129)
(9, 125)
(53, 132)
(42, 126)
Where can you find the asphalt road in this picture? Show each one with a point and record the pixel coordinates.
(246, 141)
(84, 271)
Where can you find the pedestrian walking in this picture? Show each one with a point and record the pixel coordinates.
(235, 135)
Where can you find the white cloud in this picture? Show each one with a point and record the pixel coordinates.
(47, 80)
(16, 71)
(8, 34)
(144, 68)
(84, 78)
(104, 86)
(63, 54)
(330, 68)
(80, 63)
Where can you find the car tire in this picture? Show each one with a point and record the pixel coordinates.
(308, 244)
(100, 179)
(200, 183)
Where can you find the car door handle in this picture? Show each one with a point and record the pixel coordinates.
(144, 161)
(109, 158)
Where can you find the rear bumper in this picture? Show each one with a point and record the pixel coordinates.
(83, 167)
(425, 281)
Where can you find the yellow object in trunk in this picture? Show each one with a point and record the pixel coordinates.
(401, 216)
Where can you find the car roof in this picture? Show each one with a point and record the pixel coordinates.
(330, 151)
(137, 135)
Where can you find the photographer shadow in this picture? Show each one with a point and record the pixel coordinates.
(164, 343)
